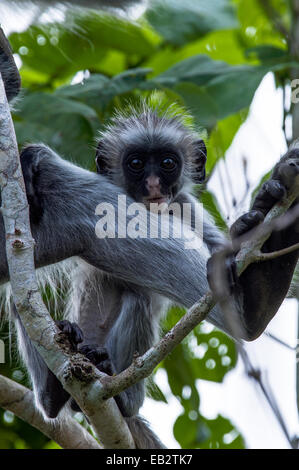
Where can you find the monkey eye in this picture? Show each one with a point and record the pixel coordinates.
(168, 164)
(136, 164)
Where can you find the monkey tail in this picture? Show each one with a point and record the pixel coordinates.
(143, 436)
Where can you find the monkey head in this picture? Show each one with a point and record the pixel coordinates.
(151, 157)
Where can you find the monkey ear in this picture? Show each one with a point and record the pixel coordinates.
(199, 162)
(101, 161)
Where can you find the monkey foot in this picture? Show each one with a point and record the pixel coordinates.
(72, 331)
(99, 357)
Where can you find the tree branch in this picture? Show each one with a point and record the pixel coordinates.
(78, 376)
(66, 432)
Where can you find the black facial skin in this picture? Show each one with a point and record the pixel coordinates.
(139, 164)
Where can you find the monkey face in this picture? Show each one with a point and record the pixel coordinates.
(150, 157)
(152, 174)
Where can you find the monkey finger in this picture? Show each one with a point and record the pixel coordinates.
(245, 223)
(73, 332)
(105, 366)
(275, 189)
(271, 192)
(288, 172)
(94, 353)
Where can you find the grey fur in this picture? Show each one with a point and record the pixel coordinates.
(143, 436)
(69, 196)
(118, 315)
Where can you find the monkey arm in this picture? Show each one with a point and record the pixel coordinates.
(264, 285)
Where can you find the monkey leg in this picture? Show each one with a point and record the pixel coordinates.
(262, 287)
(50, 394)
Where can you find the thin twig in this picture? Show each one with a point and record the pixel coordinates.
(278, 253)
(257, 375)
(279, 341)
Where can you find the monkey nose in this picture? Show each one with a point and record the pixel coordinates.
(153, 182)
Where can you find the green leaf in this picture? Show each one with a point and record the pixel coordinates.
(266, 53)
(179, 22)
(43, 107)
(198, 69)
(66, 125)
(195, 431)
(217, 355)
(200, 103)
(88, 91)
(189, 433)
(256, 27)
(181, 374)
(218, 45)
(58, 51)
(223, 435)
(97, 91)
(213, 90)
(210, 204)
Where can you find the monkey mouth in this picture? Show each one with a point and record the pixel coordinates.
(156, 200)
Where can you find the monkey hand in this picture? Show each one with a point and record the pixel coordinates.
(263, 286)
(284, 177)
(72, 332)
(99, 357)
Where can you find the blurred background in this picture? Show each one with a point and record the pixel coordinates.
(230, 64)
